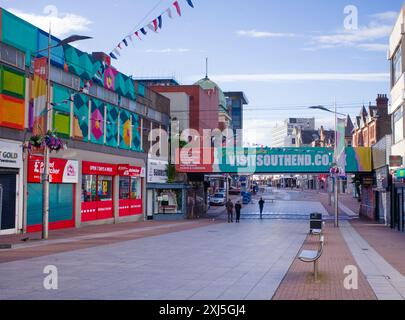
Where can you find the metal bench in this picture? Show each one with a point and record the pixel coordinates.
(313, 256)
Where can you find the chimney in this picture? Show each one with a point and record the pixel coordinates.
(382, 101)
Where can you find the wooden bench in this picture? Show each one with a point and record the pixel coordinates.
(313, 256)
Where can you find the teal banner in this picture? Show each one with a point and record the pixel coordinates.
(275, 160)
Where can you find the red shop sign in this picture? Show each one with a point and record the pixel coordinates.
(61, 170)
(96, 168)
(125, 170)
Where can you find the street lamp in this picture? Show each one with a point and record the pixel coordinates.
(48, 115)
(322, 108)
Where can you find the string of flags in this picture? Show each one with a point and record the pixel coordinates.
(154, 26)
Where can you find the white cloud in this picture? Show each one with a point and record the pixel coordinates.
(62, 24)
(279, 77)
(168, 50)
(263, 34)
(388, 16)
(368, 37)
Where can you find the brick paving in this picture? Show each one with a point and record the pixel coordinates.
(299, 282)
(70, 239)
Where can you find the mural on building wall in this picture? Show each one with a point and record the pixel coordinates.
(125, 129)
(81, 118)
(97, 121)
(109, 78)
(112, 126)
(136, 133)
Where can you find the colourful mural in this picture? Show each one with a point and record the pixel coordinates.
(358, 159)
(109, 78)
(112, 126)
(125, 129)
(81, 118)
(136, 133)
(97, 121)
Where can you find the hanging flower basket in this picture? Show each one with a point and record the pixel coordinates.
(50, 140)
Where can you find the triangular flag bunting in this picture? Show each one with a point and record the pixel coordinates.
(190, 3)
(137, 34)
(160, 22)
(169, 13)
(125, 42)
(176, 4)
(119, 45)
(117, 52)
(144, 31)
(155, 25)
(151, 27)
(112, 55)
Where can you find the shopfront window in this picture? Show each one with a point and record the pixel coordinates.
(136, 189)
(169, 202)
(89, 188)
(105, 188)
(124, 188)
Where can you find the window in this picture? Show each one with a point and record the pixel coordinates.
(104, 94)
(89, 188)
(12, 56)
(397, 66)
(105, 188)
(136, 189)
(399, 125)
(67, 79)
(124, 188)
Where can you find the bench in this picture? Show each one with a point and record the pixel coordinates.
(312, 256)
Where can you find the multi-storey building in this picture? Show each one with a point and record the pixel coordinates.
(396, 110)
(282, 135)
(100, 177)
(236, 101)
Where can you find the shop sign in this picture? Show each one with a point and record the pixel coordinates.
(157, 171)
(10, 155)
(61, 170)
(396, 161)
(401, 174)
(125, 170)
(95, 168)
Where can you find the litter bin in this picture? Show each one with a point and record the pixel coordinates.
(316, 222)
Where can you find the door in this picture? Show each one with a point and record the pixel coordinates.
(8, 192)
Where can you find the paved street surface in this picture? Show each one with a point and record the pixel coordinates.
(210, 259)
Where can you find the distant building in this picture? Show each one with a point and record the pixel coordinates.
(235, 102)
(282, 135)
(314, 138)
(372, 124)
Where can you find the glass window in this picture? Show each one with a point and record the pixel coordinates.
(124, 188)
(397, 65)
(12, 56)
(399, 125)
(136, 188)
(89, 193)
(105, 188)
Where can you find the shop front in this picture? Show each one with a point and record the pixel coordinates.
(130, 190)
(97, 191)
(398, 207)
(11, 182)
(64, 177)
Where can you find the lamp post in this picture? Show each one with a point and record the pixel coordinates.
(335, 159)
(48, 115)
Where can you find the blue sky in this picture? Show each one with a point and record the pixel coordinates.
(284, 54)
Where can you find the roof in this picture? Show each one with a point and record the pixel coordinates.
(309, 136)
(208, 84)
(349, 127)
(237, 94)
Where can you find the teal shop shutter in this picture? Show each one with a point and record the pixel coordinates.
(60, 203)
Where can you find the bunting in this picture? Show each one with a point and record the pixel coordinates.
(154, 25)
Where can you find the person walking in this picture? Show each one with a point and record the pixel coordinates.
(238, 209)
(261, 207)
(229, 208)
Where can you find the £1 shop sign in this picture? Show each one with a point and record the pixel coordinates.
(60, 170)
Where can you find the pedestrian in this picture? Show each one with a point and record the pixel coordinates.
(261, 207)
(238, 208)
(229, 208)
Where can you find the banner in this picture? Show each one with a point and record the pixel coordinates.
(39, 96)
(61, 170)
(341, 147)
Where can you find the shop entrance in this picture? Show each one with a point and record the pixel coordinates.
(8, 185)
